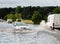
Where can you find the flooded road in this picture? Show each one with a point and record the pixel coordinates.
(42, 36)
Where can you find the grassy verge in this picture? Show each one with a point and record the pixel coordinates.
(27, 21)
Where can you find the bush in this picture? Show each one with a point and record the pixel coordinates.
(56, 10)
(13, 16)
(36, 18)
(18, 16)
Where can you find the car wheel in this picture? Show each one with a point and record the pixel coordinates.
(52, 28)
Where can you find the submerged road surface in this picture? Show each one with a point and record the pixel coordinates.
(39, 37)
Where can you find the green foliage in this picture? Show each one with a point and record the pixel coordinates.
(18, 16)
(5, 17)
(10, 16)
(27, 12)
(56, 10)
(45, 18)
(17, 12)
(36, 18)
(13, 16)
(18, 9)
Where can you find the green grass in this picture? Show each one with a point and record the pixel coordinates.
(27, 21)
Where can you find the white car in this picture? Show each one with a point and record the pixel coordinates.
(21, 25)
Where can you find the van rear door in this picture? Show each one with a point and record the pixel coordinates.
(57, 20)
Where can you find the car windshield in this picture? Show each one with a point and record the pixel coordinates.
(21, 24)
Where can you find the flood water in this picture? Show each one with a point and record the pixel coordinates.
(38, 37)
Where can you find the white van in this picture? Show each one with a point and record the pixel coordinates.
(55, 21)
(9, 20)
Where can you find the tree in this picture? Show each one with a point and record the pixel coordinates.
(10, 16)
(17, 12)
(18, 9)
(26, 12)
(56, 10)
(36, 18)
(18, 16)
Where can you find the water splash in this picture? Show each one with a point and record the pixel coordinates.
(46, 25)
